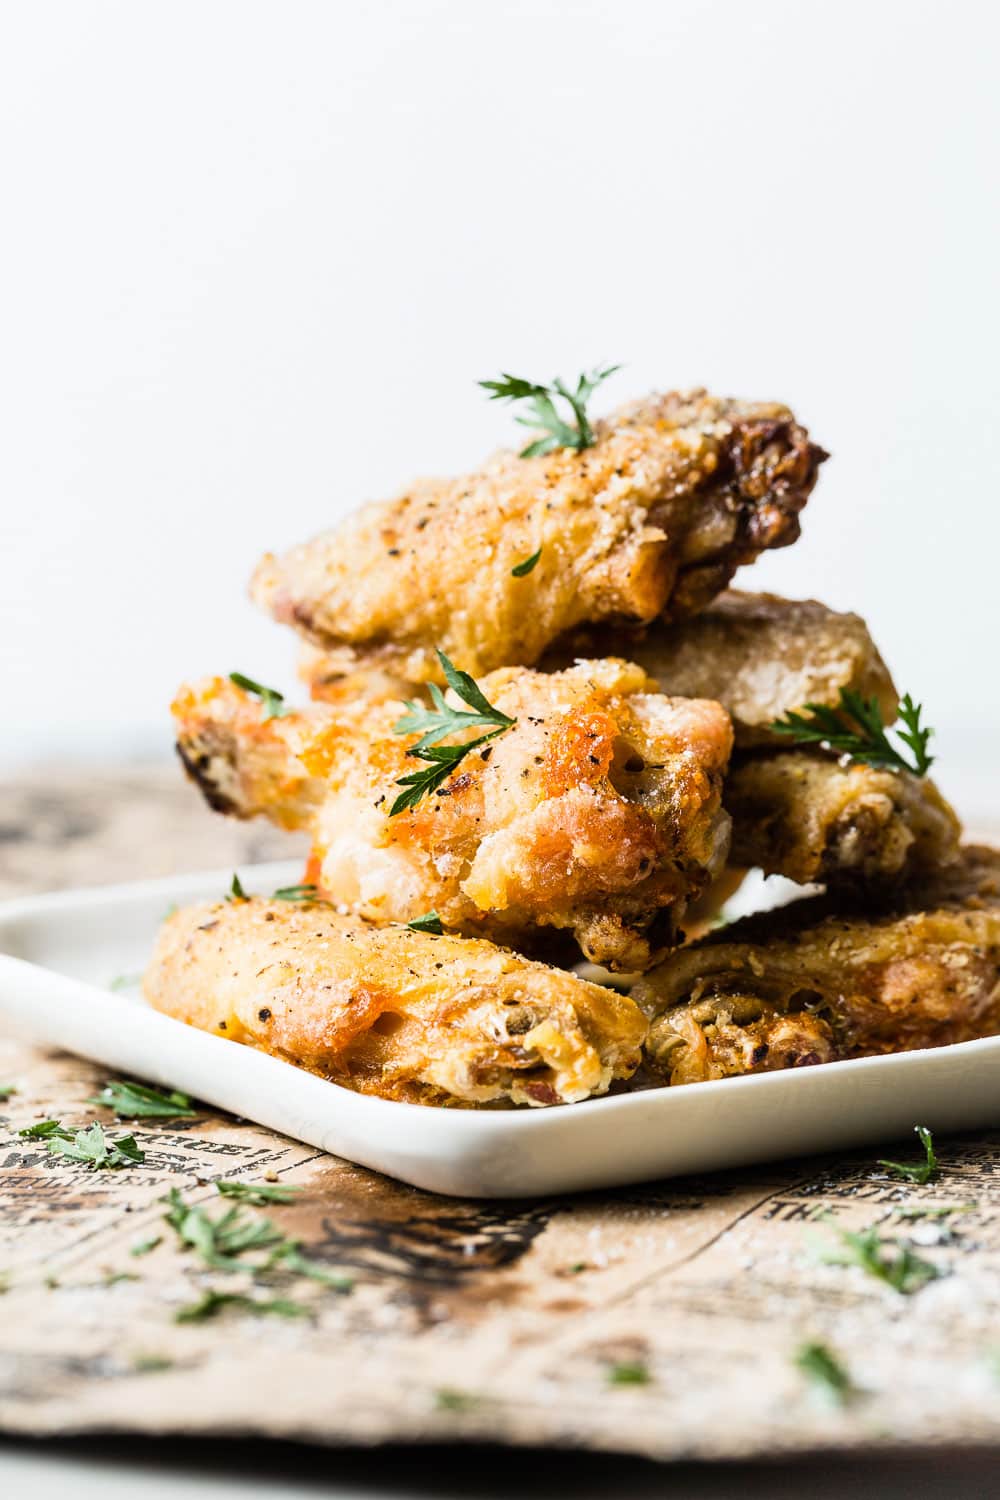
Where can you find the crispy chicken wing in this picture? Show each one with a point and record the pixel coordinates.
(598, 812)
(802, 814)
(759, 655)
(676, 493)
(818, 981)
(407, 1015)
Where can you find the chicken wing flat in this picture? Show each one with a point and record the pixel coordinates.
(759, 655)
(804, 815)
(677, 492)
(407, 1015)
(819, 982)
(599, 811)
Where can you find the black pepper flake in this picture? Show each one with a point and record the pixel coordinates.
(222, 1025)
(393, 552)
(264, 1014)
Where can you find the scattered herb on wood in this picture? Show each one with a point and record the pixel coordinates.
(856, 729)
(145, 1246)
(924, 1171)
(826, 1372)
(211, 1303)
(135, 1101)
(629, 1372)
(448, 1399)
(889, 1260)
(227, 1242)
(91, 1147)
(258, 1193)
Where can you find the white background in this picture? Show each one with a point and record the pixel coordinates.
(255, 257)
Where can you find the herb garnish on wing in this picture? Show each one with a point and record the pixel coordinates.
(273, 701)
(433, 725)
(575, 433)
(863, 737)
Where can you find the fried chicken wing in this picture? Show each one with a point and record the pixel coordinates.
(802, 814)
(759, 655)
(677, 492)
(598, 812)
(407, 1015)
(820, 981)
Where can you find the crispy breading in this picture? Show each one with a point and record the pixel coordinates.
(677, 492)
(599, 812)
(759, 655)
(804, 815)
(820, 980)
(407, 1015)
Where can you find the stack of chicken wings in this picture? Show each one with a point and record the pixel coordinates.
(542, 730)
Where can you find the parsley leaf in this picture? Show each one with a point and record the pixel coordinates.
(822, 1367)
(432, 725)
(926, 1170)
(272, 700)
(224, 1243)
(630, 1372)
(574, 432)
(308, 894)
(522, 569)
(93, 1149)
(429, 922)
(45, 1130)
(144, 1247)
(856, 728)
(891, 1261)
(448, 1399)
(6, 1090)
(236, 891)
(258, 1192)
(212, 1303)
(134, 1101)
(124, 982)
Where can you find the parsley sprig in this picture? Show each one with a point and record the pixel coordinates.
(90, 1147)
(574, 432)
(134, 1101)
(856, 728)
(429, 922)
(826, 1372)
(889, 1260)
(434, 725)
(211, 1303)
(273, 701)
(236, 1241)
(924, 1171)
(258, 1193)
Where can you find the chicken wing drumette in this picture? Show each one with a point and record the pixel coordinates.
(797, 813)
(821, 980)
(804, 815)
(676, 492)
(597, 812)
(407, 1015)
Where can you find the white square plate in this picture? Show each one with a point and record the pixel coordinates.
(59, 953)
